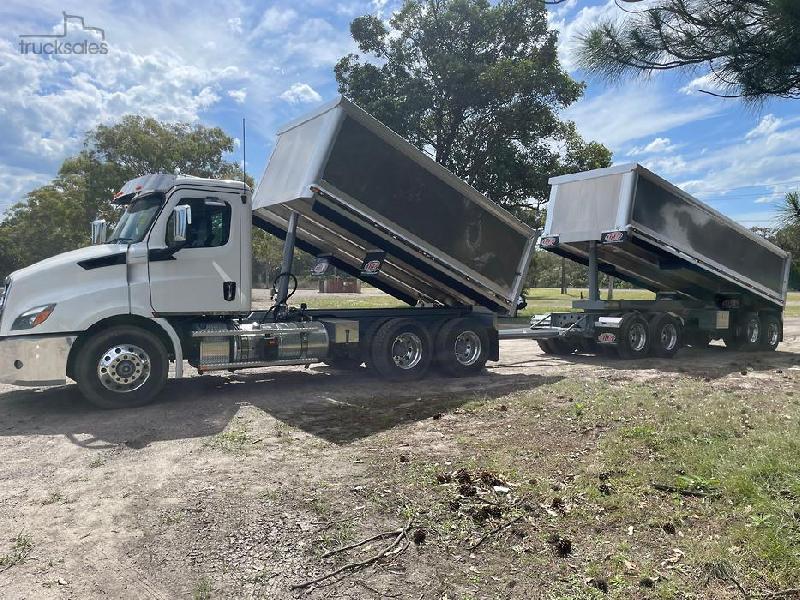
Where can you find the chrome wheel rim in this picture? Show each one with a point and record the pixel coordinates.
(669, 336)
(753, 331)
(773, 334)
(407, 350)
(637, 336)
(468, 348)
(124, 368)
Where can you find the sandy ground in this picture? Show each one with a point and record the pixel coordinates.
(154, 503)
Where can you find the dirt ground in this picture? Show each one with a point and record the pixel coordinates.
(234, 486)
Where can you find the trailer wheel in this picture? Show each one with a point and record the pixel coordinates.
(666, 333)
(546, 346)
(771, 334)
(462, 347)
(746, 336)
(401, 350)
(558, 346)
(634, 337)
(122, 367)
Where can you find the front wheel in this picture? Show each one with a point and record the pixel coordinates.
(122, 367)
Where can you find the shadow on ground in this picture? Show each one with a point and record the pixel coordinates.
(713, 362)
(335, 406)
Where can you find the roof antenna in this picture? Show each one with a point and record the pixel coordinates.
(244, 161)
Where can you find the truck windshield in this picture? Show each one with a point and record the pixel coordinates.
(136, 220)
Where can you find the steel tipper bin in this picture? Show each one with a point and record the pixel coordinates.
(375, 206)
(715, 277)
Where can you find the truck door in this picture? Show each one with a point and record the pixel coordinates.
(204, 274)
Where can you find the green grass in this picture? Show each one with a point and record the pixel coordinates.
(731, 459)
(709, 468)
(20, 550)
(234, 440)
(540, 300)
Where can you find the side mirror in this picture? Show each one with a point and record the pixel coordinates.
(182, 219)
(99, 232)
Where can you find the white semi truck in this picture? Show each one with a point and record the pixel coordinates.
(173, 280)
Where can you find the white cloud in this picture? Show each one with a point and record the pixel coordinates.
(239, 96)
(633, 112)
(765, 200)
(15, 183)
(235, 24)
(708, 82)
(300, 93)
(275, 20)
(659, 144)
(768, 124)
(571, 27)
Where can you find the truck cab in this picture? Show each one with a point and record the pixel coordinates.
(136, 278)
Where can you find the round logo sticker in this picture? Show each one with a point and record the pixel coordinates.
(372, 266)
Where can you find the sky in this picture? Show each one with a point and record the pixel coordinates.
(214, 62)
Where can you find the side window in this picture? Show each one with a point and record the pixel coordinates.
(210, 226)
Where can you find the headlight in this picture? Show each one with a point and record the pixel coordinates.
(33, 317)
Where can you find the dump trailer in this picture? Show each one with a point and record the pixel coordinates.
(712, 278)
(173, 280)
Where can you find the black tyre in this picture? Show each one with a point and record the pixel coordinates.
(122, 367)
(462, 347)
(666, 333)
(558, 346)
(772, 332)
(401, 350)
(633, 337)
(746, 335)
(547, 347)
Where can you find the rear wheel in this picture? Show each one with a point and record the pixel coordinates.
(546, 346)
(665, 335)
(771, 334)
(401, 350)
(746, 336)
(122, 367)
(558, 346)
(462, 347)
(634, 337)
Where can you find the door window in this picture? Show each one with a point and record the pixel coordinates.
(210, 226)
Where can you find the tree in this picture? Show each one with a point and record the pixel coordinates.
(479, 86)
(55, 218)
(748, 48)
(790, 211)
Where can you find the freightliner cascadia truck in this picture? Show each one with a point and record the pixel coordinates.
(173, 280)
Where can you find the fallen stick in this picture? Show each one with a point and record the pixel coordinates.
(401, 533)
(377, 536)
(498, 529)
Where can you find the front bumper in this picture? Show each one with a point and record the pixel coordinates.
(35, 360)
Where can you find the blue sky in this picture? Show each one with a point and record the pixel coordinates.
(213, 62)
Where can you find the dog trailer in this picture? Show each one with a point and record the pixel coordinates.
(712, 277)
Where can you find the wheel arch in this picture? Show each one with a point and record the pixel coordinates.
(115, 321)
